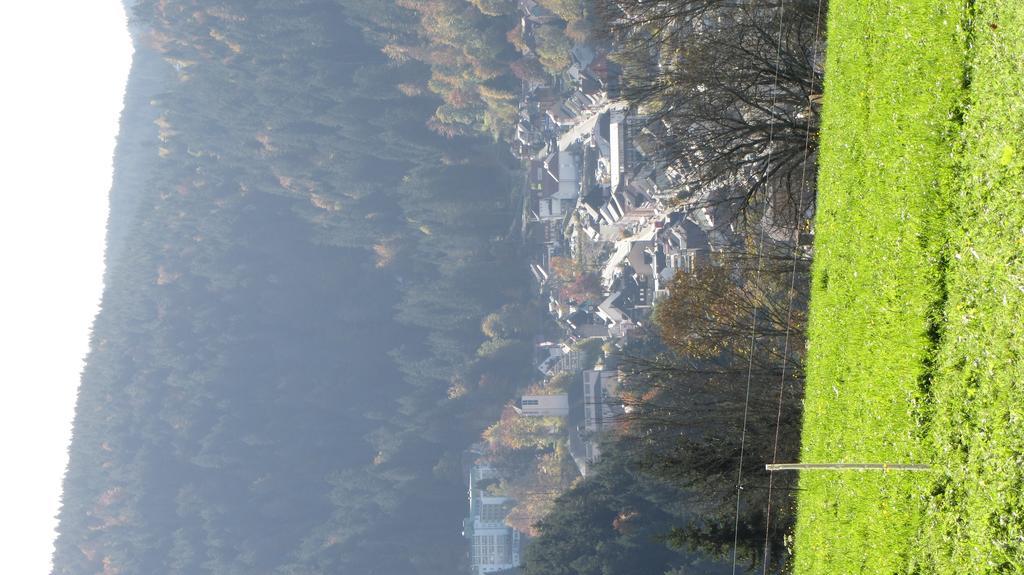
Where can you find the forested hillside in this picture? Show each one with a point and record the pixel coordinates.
(288, 362)
(477, 53)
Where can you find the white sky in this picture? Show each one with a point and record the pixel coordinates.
(64, 65)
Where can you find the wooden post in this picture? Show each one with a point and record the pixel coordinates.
(852, 466)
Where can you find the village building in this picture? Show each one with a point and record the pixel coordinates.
(558, 358)
(494, 546)
(595, 408)
(544, 405)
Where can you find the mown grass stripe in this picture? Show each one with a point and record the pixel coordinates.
(894, 73)
(920, 226)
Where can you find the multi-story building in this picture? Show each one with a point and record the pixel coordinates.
(494, 546)
(560, 358)
(599, 406)
(600, 410)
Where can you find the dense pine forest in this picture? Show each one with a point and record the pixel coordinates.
(288, 362)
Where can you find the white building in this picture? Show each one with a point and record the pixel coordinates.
(599, 395)
(544, 405)
(617, 139)
(556, 185)
(601, 408)
(493, 546)
(560, 358)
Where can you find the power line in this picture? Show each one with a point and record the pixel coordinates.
(792, 285)
(757, 278)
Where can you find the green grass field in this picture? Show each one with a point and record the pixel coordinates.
(917, 304)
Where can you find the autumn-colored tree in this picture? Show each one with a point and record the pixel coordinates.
(529, 70)
(511, 321)
(553, 48)
(535, 492)
(462, 43)
(457, 388)
(494, 7)
(578, 30)
(714, 309)
(563, 268)
(515, 37)
(387, 252)
(410, 89)
(583, 287)
(574, 282)
(493, 326)
(514, 431)
(568, 10)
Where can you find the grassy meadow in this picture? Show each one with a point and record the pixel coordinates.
(917, 306)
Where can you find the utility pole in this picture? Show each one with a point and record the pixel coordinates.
(844, 466)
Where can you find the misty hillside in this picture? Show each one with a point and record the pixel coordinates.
(297, 270)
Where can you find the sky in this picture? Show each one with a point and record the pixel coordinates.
(65, 64)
